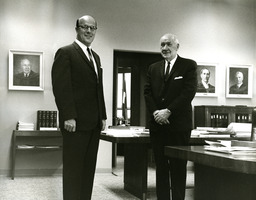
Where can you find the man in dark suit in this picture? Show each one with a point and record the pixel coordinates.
(170, 87)
(27, 77)
(78, 90)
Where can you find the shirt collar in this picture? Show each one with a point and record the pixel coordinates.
(83, 46)
(173, 60)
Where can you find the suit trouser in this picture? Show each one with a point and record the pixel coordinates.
(79, 162)
(167, 168)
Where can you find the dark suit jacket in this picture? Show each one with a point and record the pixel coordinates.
(77, 90)
(202, 89)
(31, 80)
(175, 94)
(243, 89)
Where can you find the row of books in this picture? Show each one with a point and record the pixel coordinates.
(219, 120)
(46, 120)
(243, 118)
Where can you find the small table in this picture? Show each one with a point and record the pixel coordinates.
(219, 176)
(135, 162)
(34, 140)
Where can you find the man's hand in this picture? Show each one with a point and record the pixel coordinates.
(161, 116)
(70, 125)
(103, 125)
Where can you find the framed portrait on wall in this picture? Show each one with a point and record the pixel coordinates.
(26, 70)
(206, 76)
(239, 81)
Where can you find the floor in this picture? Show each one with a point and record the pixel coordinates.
(107, 186)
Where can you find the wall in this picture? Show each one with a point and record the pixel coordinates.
(218, 31)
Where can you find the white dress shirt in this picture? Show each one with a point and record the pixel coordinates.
(84, 48)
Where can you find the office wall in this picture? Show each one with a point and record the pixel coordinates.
(211, 31)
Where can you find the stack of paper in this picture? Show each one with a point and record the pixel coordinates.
(240, 129)
(25, 126)
(210, 132)
(122, 133)
(225, 147)
(126, 131)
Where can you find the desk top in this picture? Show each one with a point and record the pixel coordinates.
(144, 138)
(199, 155)
(115, 139)
(37, 133)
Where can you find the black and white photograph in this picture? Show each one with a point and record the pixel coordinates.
(118, 100)
(239, 81)
(206, 77)
(25, 70)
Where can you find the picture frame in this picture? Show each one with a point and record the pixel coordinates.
(26, 70)
(239, 74)
(206, 75)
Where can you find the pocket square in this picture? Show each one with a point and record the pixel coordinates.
(178, 77)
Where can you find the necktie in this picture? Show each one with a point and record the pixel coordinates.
(167, 71)
(90, 55)
(91, 59)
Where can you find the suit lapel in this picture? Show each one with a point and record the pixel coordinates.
(162, 68)
(174, 67)
(80, 51)
(97, 62)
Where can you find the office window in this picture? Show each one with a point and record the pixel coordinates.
(124, 98)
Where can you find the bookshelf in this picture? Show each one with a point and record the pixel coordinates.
(221, 116)
(34, 141)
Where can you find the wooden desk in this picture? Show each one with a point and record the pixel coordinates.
(219, 176)
(135, 163)
(39, 140)
(135, 167)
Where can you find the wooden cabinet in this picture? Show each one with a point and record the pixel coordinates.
(221, 116)
(34, 141)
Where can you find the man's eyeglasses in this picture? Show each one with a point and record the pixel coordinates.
(86, 27)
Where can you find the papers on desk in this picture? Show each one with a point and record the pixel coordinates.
(240, 129)
(233, 129)
(225, 147)
(209, 132)
(124, 133)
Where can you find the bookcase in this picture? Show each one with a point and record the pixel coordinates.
(221, 116)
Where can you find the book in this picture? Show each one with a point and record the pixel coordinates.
(47, 120)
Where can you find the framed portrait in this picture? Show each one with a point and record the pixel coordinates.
(206, 77)
(239, 81)
(26, 70)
